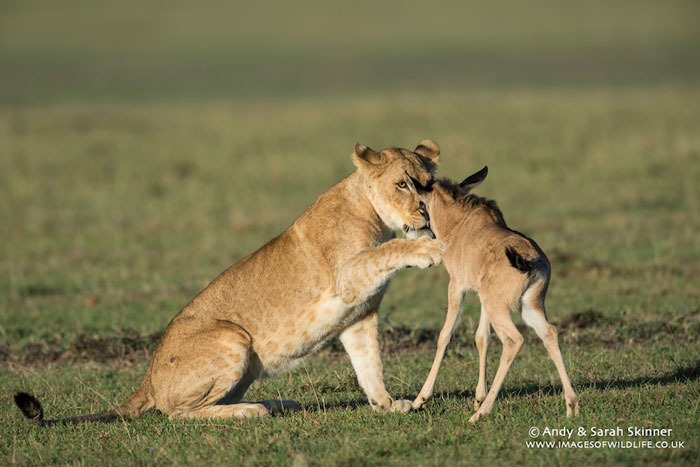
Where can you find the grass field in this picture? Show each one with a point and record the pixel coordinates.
(143, 149)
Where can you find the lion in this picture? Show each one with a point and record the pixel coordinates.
(324, 276)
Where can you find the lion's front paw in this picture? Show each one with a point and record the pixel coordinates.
(427, 252)
(400, 406)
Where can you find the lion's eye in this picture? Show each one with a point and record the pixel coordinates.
(402, 185)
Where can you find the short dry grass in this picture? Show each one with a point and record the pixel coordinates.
(121, 198)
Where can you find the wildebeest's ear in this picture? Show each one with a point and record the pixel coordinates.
(430, 150)
(363, 156)
(474, 179)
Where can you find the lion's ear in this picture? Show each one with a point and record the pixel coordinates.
(430, 150)
(365, 157)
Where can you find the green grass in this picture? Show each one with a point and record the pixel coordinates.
(144, 148)
(645, 388)
(135, 50)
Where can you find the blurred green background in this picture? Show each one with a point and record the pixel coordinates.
(145, 146)
(163, 50)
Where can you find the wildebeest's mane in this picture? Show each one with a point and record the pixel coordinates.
(469, 200)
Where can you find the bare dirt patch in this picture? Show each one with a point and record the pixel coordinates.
(85, 348)
(587, 327)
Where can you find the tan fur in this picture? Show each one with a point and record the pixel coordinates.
(322, 277)
(475, 238)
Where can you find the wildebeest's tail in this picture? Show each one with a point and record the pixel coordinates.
(521, 264)
(138, 403)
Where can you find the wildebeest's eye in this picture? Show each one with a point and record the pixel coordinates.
(402, 185)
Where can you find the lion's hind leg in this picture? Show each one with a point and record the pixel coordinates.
(238, 410)
(205, 374)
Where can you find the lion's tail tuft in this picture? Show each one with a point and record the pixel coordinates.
(30, 407)
(32, 410)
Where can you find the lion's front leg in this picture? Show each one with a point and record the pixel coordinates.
(363, 274)
(362, 345)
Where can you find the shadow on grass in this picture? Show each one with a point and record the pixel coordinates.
(324, 406)
(682, 374)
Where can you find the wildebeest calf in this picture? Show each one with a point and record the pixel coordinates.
(505, 268)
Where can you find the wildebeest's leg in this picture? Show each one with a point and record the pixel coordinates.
(498, 311)
(455, 297)
(535, 316)
(482, 339)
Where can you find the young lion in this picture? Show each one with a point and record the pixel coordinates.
(506, 268)
(322, 277)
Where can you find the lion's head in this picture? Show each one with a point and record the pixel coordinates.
(392, 175)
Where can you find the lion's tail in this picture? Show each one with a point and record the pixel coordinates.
(138, 403)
